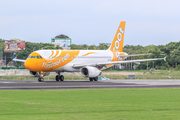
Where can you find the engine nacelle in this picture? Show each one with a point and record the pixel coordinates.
(36, 74)
(90, 72)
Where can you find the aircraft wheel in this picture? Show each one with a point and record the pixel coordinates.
(95, 78)
(91, 79)
(57, 78)
(61, 77)
(40, 79)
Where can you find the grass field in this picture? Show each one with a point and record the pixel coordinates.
(147, 74)
(90, 104)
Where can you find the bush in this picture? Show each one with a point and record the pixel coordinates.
(177, 68)
(162, 68)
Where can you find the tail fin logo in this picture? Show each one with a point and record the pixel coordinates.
(117, 43)
(119, 38)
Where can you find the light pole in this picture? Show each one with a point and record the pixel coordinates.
(147, 62)
(13, 58)
(131, 63)
(153, 65)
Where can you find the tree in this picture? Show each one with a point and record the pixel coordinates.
(1, 45)
(62, 36)
(103, 46)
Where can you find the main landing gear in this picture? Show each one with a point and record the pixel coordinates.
(93, 79)
(59, 78)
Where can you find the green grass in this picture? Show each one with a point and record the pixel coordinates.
(90, 104)
(147, 74)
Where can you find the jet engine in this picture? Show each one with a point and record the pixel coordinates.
(36, 74)
(90, 72)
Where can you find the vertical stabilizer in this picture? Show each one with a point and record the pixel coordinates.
(117, 43)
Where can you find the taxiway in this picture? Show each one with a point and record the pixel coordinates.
(80, 84)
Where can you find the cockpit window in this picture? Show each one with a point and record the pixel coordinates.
(38, 57)
(33, 56)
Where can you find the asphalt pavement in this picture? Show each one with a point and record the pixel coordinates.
(83, 84)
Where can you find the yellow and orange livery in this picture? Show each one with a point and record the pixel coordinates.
(88, 62)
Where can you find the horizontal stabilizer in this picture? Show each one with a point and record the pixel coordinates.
(137, 63)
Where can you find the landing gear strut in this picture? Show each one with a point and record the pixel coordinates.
(93, 79)
(41, 75)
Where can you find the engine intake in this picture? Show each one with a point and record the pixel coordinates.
(90, 72)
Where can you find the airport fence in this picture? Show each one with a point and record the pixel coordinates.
(8, 68)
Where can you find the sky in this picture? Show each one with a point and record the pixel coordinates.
(148, 22)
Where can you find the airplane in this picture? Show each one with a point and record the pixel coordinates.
(89, 63)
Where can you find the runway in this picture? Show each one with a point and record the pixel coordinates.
(80, 84)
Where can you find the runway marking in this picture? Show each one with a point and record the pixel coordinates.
(7, 82)
(20, 82)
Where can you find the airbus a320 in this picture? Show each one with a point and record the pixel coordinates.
(88, 62)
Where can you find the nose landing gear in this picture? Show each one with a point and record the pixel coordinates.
(40, 79)
(41, 75)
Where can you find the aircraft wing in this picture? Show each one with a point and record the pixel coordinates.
(19, 60)
(133, 55)
(130, 61)
(117, 62)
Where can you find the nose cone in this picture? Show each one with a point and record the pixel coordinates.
(33, 65)
(27, 64)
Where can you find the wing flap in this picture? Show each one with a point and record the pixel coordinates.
(78, 65)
